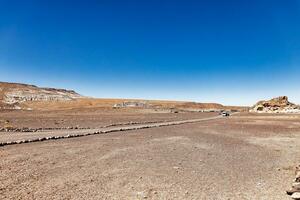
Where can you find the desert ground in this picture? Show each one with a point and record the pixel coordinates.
(90, 118)
(244, 156)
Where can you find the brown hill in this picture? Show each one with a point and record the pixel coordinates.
(14, 95)
(97, 103)
(24, 96)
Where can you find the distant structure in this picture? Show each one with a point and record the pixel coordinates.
(131, 104)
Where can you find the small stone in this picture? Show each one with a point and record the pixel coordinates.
(296, 195)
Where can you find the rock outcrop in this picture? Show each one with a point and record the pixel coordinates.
(276, 105)
(12, 95)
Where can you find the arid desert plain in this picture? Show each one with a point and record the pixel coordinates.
(171, 151)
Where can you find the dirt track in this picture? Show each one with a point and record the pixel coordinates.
(243, 157)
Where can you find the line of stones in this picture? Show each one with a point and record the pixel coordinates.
(60, 137)
(25, 129)
(101, 132)
(94, 133)
(132, 123)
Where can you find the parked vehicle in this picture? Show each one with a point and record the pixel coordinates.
(225, 114)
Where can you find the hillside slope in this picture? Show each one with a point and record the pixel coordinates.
(23, 96)
(13, 95)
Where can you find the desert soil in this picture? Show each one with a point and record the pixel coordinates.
(90, 118)
(245, 156)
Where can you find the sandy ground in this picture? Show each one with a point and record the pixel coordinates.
(241, 157)
(90, 118)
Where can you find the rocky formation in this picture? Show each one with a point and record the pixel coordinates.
(276, 105)
(12, 95)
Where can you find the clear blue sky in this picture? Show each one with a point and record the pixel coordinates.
(232, 52)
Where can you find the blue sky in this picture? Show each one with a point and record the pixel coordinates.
(231, 52)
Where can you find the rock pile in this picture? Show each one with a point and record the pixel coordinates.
(10, 128)
(26, 129)
(295, 190)
(276, 105)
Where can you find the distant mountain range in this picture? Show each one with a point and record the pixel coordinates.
(14, 96)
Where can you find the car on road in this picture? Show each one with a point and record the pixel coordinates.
(225, 114)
